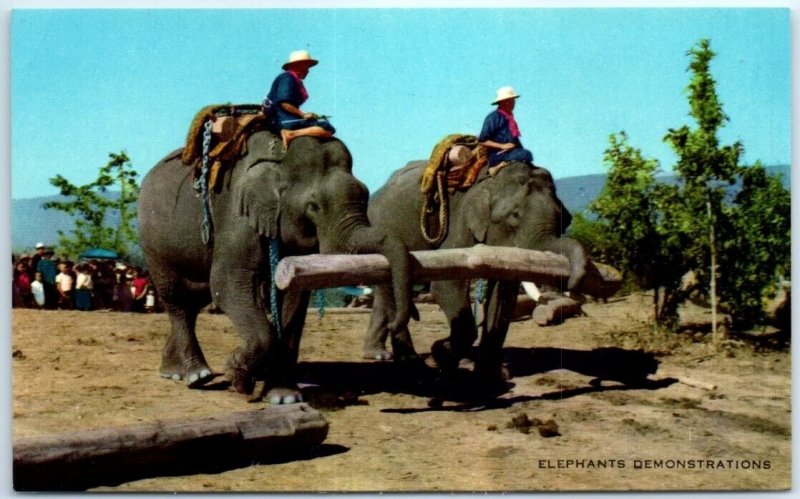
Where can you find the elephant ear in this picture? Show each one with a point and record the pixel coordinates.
(257, 197)
(478, 215)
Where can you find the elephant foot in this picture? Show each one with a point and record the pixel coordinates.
(404, 353)
(283, 396)
(195, 376)
(491, 380)
(378, 353)
(445, 355)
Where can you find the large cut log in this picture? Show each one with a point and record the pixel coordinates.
(556, 311)
(110, 456)
(513, 264)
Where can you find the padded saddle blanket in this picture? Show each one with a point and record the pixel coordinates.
(232, 126)
(460, 174)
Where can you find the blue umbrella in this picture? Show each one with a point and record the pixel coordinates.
(99, 254)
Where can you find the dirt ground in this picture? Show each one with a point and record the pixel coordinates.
(74, 370)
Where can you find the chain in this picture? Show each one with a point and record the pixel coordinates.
(319, 296)
(274, 299)
(201, 185)
(480, 295)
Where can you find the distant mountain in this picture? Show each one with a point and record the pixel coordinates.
(577, 192)
(30, 223)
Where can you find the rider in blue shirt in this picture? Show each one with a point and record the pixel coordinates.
(286, 96)
(501, 134)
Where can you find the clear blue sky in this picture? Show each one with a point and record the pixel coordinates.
(88, 82)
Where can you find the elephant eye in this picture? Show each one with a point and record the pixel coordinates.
(312, 207)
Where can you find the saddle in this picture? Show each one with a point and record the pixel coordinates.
(231, 126)
(454, 165)
(458, 159)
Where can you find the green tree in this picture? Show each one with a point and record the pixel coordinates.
(757, 254)
(93, 208)
(738, 247)
(706, 169)
(640, 220)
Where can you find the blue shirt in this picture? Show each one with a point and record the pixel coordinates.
(496, 128)
(284, 89)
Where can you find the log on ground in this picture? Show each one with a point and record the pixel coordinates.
(556, 311)
(110, 456)
(480, 261)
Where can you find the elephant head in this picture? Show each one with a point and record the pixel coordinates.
(518, 207)
(312, 203)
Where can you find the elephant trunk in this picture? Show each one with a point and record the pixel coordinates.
(576, 255)
(360, 238)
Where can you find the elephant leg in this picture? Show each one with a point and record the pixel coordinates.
(453, 297)
(182, 357)
(281, 368)
(375, 339)
(236, 293)
(498, 309)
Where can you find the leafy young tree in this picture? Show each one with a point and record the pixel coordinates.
(640, 219)
(757, 255)
(93, 207)
(735, 240)
(705, 167)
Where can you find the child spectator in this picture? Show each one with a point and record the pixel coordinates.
(64, 285)
(37, 290)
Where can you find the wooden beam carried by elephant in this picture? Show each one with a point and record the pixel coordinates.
(479, 261)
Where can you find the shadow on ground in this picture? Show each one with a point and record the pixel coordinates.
(335, 385)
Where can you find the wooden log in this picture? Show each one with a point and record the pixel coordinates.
(555, 311)
(110, 456)
(524, 307)
(512, 264)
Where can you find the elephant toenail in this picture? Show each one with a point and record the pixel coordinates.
(289, 399)
(176, 377)
(275, 400)
(194, 377)
(205, 373)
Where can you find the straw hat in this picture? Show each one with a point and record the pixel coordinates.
(505, 93)
(39, 245)
(298, 57)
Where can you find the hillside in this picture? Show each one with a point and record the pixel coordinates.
(30, 223)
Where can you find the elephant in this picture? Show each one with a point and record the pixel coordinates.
(310, 202)
(517, 207)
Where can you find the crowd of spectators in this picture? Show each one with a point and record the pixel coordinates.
(43, 281)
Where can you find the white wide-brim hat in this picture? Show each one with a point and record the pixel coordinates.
(505, 93)
(300, 56)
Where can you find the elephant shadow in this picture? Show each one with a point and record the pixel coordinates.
(336, 385)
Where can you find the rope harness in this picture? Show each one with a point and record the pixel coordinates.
(444, 212)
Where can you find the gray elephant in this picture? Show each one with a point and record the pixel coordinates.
(517, 207)
(309, 202)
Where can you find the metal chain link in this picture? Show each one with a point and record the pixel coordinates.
(274, 299)
(202, 185)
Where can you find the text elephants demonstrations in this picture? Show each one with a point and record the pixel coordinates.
(655, 464)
